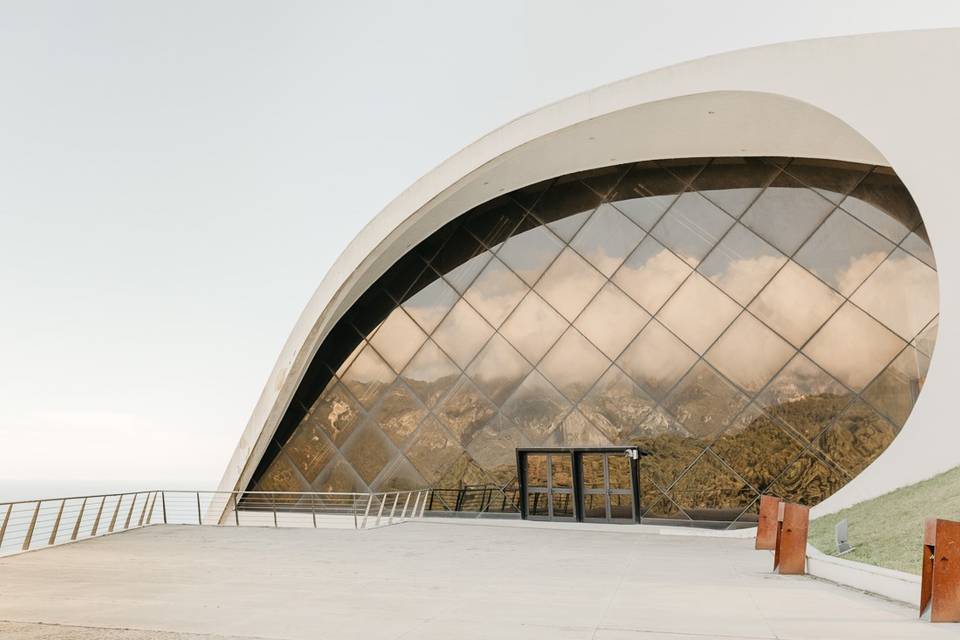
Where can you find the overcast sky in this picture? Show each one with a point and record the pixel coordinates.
(176, 177)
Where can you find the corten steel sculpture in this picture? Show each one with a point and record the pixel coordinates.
(767, 523)
(790, 556)
(940, 584)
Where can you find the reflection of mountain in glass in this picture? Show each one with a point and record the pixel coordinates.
(754, 324)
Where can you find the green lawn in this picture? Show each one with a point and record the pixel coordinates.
(887, 531)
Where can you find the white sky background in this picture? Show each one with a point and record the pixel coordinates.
(176, 178)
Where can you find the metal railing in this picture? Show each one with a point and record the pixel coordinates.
(35, 524)
(475, 499)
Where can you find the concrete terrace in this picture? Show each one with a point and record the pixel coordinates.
(427, 580)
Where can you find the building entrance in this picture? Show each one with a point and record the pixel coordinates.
(579, 485)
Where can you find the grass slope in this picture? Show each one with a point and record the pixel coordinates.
(887, 531)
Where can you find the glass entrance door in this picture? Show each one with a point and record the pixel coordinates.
(549, 486)
(607, 482)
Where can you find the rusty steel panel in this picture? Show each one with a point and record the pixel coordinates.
(767, 523)
(940, 581)
(791, 552)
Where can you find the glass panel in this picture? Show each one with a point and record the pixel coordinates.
(595, 506)
(309, 449)
(370, 310)
(569, 284)
(795, 304)
(400, 476)
(495, 449)
(831, 179)
(611, 320)
(537, 505)
(808, 481)
(465, 411)
(463, 276)
(858, 437)
(742, 264)
(895, 391)
(603, 179)
(280, 476)
(651, 274)
(806, 208)
(843, 252)
(399, 413)
(562, 505)
(804, 397)
(495, 292)
(703, 402)
(926, 339)
(428, 306)
(431, 373)
(533, 327)
(734, 183)
(882, 202)
(617, 407)
(397, 339)
(405, 277)
(576, 431)
(607, 239)
(537, 408)
(669, 450)
(684, 168)
(657, 359)
(710, 491)
(561, 470)
(335, 412)
(691, 227)
(367, 377)
(749, 354)
(368, 451)
(461, 259)
(853, 347)
(918, 244)
(340, 477)
(698, 313)
(536, 470)
(665, 509)
(573, 365)
(566, 228)
(464, 472)
(618, 471)
(432, 450)
(591, 465)
(494, 222)
(646, 192)
(621, 507)
(567, 196)
(531, 251)
(902, 294)
(498, 369)
(756, 447)
(462, 333)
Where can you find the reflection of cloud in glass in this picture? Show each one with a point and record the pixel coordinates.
(902, 294)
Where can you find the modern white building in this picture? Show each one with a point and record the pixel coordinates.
(724, 268)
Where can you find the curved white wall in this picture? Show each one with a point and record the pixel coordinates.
(882, 99)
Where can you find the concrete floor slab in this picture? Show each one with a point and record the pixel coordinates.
(430, 580)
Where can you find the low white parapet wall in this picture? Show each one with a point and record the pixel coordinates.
(895, 585)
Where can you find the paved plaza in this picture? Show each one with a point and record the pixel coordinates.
(444, 580)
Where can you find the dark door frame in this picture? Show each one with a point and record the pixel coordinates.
(576, 455)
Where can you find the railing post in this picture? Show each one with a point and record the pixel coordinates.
(163, 503)
(353, 508)
(273, 503)
(56, 523)
(33, 523)
(366, 512)
(199, 515)
(313, 510)
(236, 514)
(133, 502)
(403, 514)
(6, 519)
(143, 511)
(113, 520)
(423, 506)
(416, 503)
(153, 503)
(396, 498)
(76, 526)
(380, 510)
(96, 521)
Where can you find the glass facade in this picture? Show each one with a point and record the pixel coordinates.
(754, 325)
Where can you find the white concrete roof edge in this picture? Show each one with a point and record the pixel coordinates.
(792, 79)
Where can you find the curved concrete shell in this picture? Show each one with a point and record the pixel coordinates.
(876, 100)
